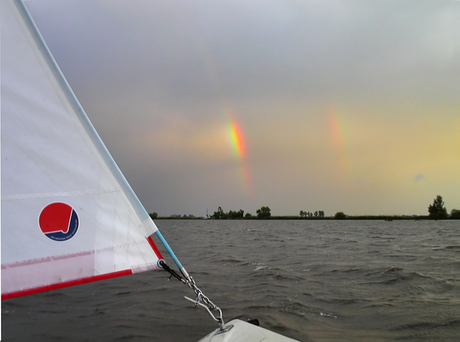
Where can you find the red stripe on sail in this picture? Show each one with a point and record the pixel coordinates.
(65, 284)
(154, 247)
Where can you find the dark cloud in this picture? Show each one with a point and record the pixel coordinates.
(156, 76)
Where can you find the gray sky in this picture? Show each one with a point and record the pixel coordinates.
(347, 106)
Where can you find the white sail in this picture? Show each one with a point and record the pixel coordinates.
(68, 215)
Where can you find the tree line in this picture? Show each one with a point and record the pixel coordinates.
(317, 213)
(262, 213)
(436, 210)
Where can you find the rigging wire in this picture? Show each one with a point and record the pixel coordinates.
(201, 299)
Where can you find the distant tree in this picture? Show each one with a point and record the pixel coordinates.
(455, 213)
(153, 216)
(235, 214)
(263, 212)
(248, 215)
(340, 215)
(219, 214)
(437, 210)
(302, 213)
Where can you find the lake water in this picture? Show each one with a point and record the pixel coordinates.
(310, 280)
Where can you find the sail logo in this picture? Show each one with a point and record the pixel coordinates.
(58, 221)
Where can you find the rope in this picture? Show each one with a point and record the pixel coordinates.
(171, 272)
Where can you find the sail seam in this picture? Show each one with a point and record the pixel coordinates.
(66, 256)
(68, 283)
(60, 194)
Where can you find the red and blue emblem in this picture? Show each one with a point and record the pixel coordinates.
(58, 221)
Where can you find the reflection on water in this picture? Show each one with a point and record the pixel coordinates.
(310, 280)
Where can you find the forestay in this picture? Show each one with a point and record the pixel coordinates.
(68, 215)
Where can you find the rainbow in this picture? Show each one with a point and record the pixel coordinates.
(238, 146)
(337, 136)
(236, 139)
(233, 128)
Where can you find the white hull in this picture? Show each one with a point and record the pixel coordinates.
(245, 332)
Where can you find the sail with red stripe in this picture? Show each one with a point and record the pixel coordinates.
(68, 215)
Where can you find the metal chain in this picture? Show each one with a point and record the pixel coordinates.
(201, 299)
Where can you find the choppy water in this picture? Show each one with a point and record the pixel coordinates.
(310, 280)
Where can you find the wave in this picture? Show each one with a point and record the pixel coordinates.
(342, 281)
(424, 327)
(301, 310)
